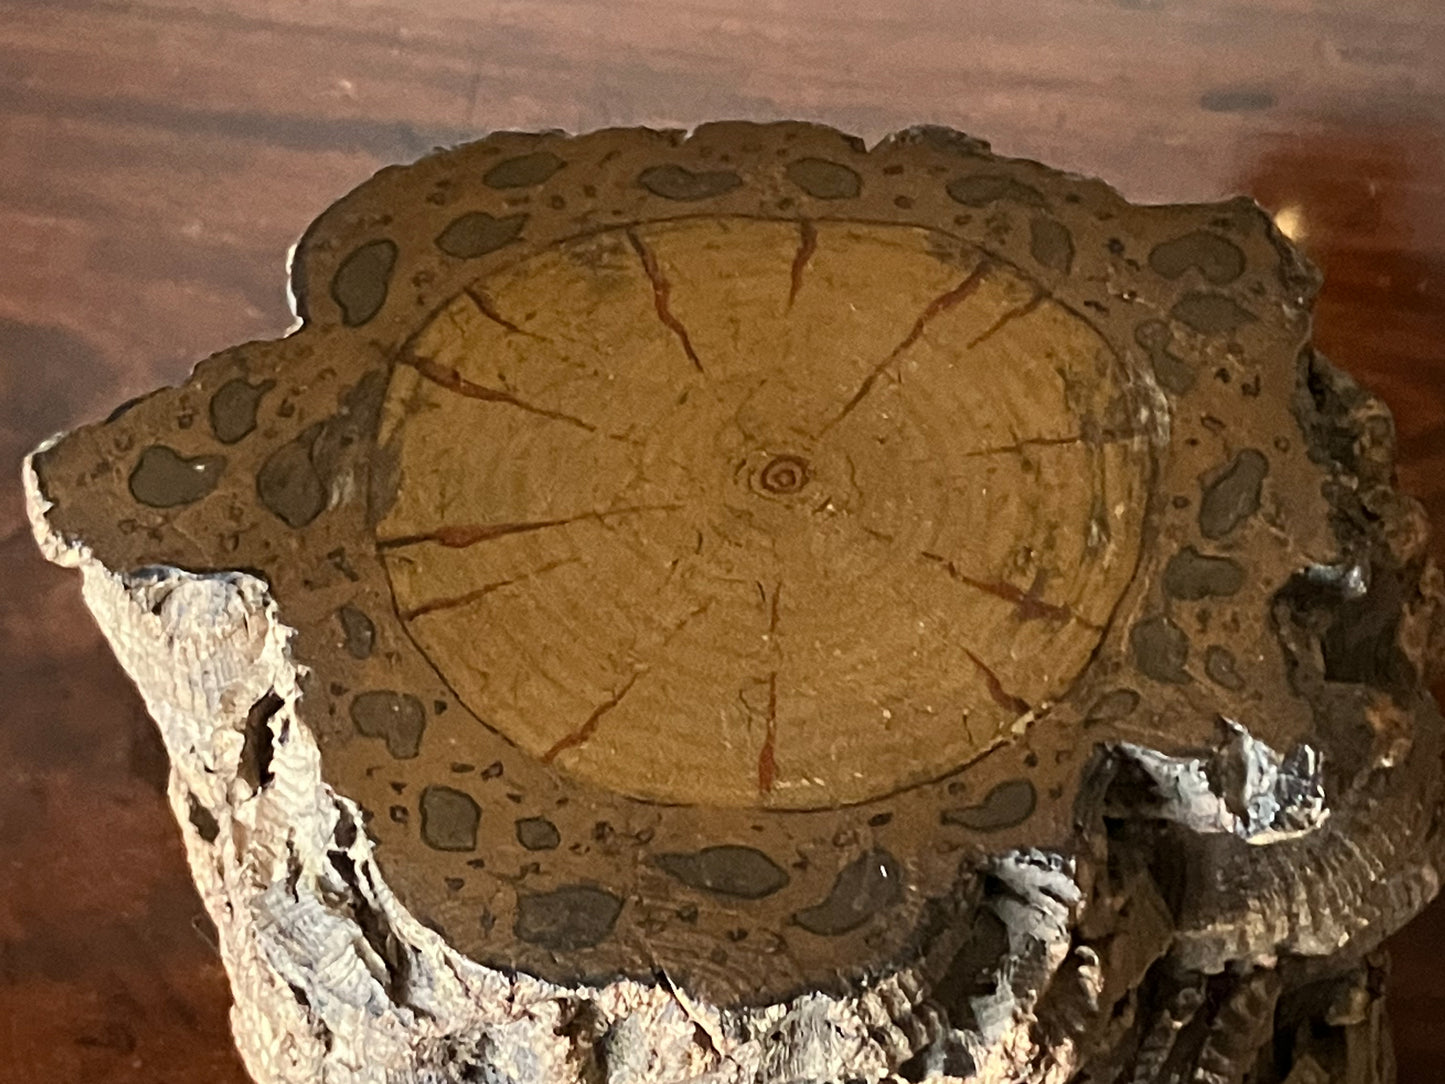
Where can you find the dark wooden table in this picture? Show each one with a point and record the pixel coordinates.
(158, 157)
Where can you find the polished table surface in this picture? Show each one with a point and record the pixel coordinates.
(158, 157)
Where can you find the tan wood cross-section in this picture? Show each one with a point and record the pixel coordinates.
(737, 512)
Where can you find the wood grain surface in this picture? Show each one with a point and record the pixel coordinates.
(158, 158)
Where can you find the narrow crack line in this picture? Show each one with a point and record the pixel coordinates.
(1018, 312)
(463, 535)
(586, 730)
(943, 302)
(1001, 696)
(453, 601)
(1107, 436)
(488, 308)
(767, 763)
(454, 382)
(940, 304)
(625, 438)
(1030, 442)
(1030, 606)
(692, 615)
(968, 731)
(807, 245)
(661, 293)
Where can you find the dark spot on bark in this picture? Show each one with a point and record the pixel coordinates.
(288, 483)
(1236, 100)
(1192, 575)
(1112, 706)
(728, 870)
(1173, 373)
(360, 284)
(345, 831)
(1210, 313)
(337, 558)
(1219, 667)
(397, 717)
(538, 834)
(202, 820)
(1231, 495)
(679, 183)
(1217, 258)
(524, 171)
(1160, 650)
(978, 190)
(258, 744)
(822, 179)
(1051, 244)
(867, 885)
(360, 633)
(163, 478)
(568, 918)
(479, 233)
(233, 408)
(1009, 803)
(449, 819)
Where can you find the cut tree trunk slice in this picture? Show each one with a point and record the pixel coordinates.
(741, 606)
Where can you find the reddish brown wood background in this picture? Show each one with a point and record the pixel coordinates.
(157, 158)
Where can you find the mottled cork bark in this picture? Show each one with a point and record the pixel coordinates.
(745, 606)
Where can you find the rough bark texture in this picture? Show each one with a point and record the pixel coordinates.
(745, 606)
